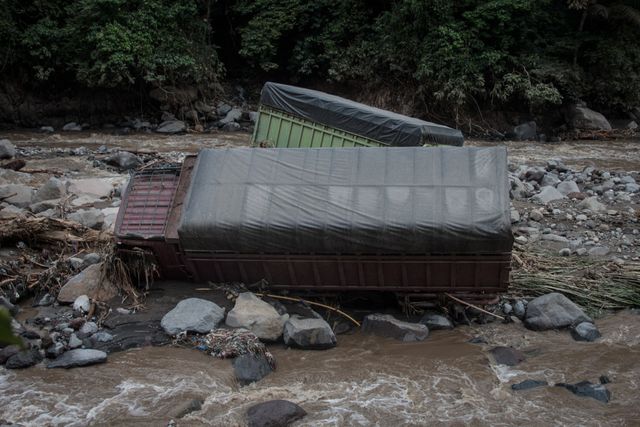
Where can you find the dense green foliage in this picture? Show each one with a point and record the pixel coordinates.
(451, 56)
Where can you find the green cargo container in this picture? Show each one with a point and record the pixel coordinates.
(292, 117)
(278, 129)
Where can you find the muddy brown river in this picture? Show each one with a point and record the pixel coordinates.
(363, 381)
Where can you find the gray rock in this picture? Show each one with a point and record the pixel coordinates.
(258, 316)
(515, 216)
(91, 258)
(519, 190)
(525, 131)
(554, 238)
(553, 311)
(564, 252)
(172, 127)
(234, 115)
(23, 359)
(507, 356)
(192, 315)
(568, 187)
(231, 127)
(46, 300)
(598, 251)
(549, 180)
(507, 308)
(250, 368)
(536, 215)
(548, 194)
(308, 333)
(585, 331)
(87, 282)
(82, 304)
(528, 384)
(78, 357)
(588, 389)
(74, 341)
(124, 160)
(7, 149)
(274, 413)
(223, 109)
(584, 118)
(624, 124)
(72, 127)
(55, 350)
(102, 336)
(592, 204)
(89, 328)
(436, 322)
(44, 205)
(385, 325)
(632, 188)
(47, 129)
(90, 218)
(519, 309)
(7, 352)
(253, 116)
(16, 194)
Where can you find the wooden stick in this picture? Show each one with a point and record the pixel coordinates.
(474, 306)
(312, 303)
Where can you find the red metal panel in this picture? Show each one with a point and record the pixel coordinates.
(146, 205)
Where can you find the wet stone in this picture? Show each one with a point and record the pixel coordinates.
(23, 359)
(250, 368)
(436, 322)
(79, 357)
(385, 325)
(507, 356)
(528, 384)
(588, 389)
(585, 331)
(274, 413)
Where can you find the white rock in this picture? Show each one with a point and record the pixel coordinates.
(82, 304)
(548, 194)
(259, 317)
(568, 187)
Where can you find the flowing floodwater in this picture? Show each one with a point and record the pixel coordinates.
(363, 381)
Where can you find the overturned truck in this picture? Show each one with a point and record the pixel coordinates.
(409, 220)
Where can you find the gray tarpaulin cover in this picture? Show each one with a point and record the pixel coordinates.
(340, 113)
(444, 200)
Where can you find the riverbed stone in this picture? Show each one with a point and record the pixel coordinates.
(88, 282)
(172, 127)
(507, 355)
(385, 325)
(435, 322)
(89, 328)
(308, 333)
(585, 331)
(7, 352)
(258, 316)
(16, 194)
(250, 368)
(553, 311)
(568, 187)
(78, 357)
(82, 304)
(274, 413)
(592, 204)
(548, 194)
(54, 188)
(7, 149)
(90, 218)
(124, 160)
(74, 341)
(588, 389)
(55, 350)
(192, 315)
(23, 359)
(528, 384)
(598, 251)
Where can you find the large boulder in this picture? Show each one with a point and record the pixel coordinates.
(583, 118)
(548, 194)
(7, 150)
(274, 413)
(98, 187)
(568, 187)
(308, 333)
(52, 189)
(553, 311)
(385, 325)
(192, 315)
(78, 357)
(16, 194)
(435, 321)
(172, 127)
(90, 218)
(525, 131)
(250, 368)
(592, 204)
(88, 282)
(23, 359)
(234, 115)
(124, 160)
(251, 313)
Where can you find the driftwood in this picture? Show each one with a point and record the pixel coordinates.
(48, 230)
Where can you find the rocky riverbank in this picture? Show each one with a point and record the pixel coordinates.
(52, 275)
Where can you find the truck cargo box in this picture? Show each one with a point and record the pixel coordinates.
(294, 117)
